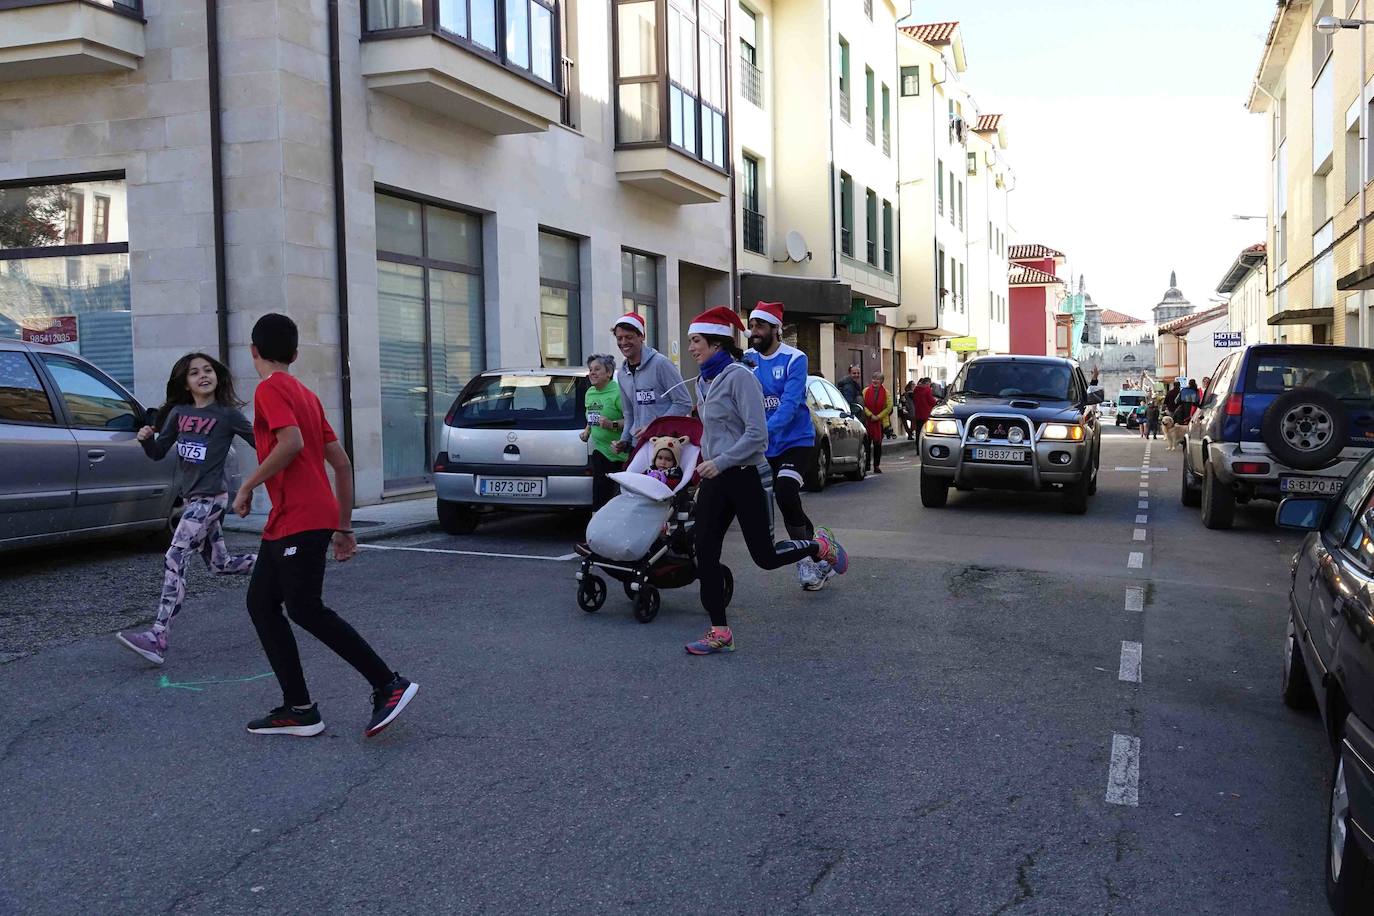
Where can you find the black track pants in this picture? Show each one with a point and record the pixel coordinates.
(789, 470)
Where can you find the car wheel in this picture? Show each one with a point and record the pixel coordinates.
(934, 491)
(820, 470)
(1190, 494)
(859, 472)
(1092, 484)
(1076, 495)
(457, 518)
(1305, 428)
(1349, 888)
(1297, 689)
(1218, 502)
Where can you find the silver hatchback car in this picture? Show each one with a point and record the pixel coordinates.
(70, 462)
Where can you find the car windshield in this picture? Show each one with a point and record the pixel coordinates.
(520, 402)
(1130, 400)
(1007, 378)
(1346, 377)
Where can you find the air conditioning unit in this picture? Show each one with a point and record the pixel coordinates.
(973, 163)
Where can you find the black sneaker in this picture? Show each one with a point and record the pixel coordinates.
(287, 721)
(387, 703)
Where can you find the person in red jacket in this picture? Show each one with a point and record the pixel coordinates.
(924, 400)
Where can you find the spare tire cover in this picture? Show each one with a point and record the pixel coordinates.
(1305, 428)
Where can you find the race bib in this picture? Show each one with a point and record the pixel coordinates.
(191, 451)
(645, 397)
(771, 403)
(593, 418)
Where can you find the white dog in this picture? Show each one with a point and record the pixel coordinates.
(1174, 433)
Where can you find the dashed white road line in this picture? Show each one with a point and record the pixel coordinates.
(1142, 519)
(472, 553)
(1144, 493)
(1136, 560)
(1138, 534)
(1135, 599)
(1123, 776)
(1143, 504)
(1129, 669)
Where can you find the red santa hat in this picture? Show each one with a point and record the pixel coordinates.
(721, 321)
(770, 312)
(631, 321)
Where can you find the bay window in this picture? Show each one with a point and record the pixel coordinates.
(521, 35)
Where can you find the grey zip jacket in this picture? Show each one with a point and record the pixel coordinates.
(651, 390)
(735, 428)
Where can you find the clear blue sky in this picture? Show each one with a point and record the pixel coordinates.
(1127, 132)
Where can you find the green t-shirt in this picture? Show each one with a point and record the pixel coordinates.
(604, 402)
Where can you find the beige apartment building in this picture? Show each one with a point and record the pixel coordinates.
(1243, 287)
(428, 188)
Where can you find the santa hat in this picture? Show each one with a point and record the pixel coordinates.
(631, 321)
(720, 321)
(770, 312)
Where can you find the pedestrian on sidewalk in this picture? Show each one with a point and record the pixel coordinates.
(852, 387)
(734, 439)
(791, 453)
(877, 406)
(906, 406)
(923, 399)
(294, 442)
(1171, 398)
(200, 417)
(605, 420)
(650, 385)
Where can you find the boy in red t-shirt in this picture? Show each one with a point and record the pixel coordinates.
(294, 442)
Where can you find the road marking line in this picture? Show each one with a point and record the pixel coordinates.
(1130, 662)
(473, 553)
(1135, 599)
(1143, 504)
(1142, 519)
(1136, 560)
(1123, 776)
(1144, 493)
(1138, 534)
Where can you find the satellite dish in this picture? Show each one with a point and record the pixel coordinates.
(796, 247)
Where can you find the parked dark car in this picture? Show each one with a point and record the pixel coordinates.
(1014, 423)
(839, 434)
(1279, 420)
(1328, 661)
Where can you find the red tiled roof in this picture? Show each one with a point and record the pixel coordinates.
(932, 33)
(1021, 275)
(1111, 316)
(988, 122)
(1185, 323)
(1032, 251)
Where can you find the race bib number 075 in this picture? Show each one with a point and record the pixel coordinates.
(191, 451)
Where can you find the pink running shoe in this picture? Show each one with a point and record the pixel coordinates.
(714, 641)
(152, 646)
(831, 551)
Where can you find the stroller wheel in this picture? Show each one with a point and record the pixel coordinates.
(729, 578)
(646, 604)
(591, 593)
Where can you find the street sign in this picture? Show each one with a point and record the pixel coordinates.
(1226, 339)
(964, 344)
(54, 331)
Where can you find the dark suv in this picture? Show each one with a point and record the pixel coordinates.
(1278, 420)
(1328, 660)
(1014, 423)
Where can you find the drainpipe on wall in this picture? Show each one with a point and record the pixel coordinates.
(1364, 177)
(217, 178)
(734, 200)
(340, 227)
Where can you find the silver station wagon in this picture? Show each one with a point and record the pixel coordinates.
(70, 462)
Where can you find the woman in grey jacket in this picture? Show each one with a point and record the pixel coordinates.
(735, 435)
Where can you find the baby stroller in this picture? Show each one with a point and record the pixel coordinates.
(643, 537)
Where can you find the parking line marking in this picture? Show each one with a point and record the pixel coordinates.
(1136, 560)
(1135, 599)
(1130, 662)
(473, 553)
(1142, 519)
(1123, 776)
(1138, 534)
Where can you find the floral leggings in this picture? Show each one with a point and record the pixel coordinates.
(198, 532)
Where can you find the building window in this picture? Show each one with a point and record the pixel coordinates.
(911, 81)
(963, 289)
(517, 34)
(960, 208)
(887, 121)
(869, 107)
(868, 9)
(844, 79)
(939, 187)
(940, 281)
(887, 236)
(751, 77)
(953, 202)
(1322, 43)
(846, 214)
(1324, 268)
(639, 289)
(58, 288)
(753, 211)
(871, 227)
(430, 325)
(690, 95)
(560, 301)
(1323, 119)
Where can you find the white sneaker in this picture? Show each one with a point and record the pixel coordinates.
(824, 573)
(808, 575)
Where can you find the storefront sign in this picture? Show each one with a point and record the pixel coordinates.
(964, 344)
(52, 331)
(1227, 339)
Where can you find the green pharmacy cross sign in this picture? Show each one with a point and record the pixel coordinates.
(859, 317)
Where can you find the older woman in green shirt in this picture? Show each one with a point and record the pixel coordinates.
(605, 420)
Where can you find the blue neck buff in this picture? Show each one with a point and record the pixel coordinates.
(715, 365)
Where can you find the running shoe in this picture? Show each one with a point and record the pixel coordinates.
(807, 575)
(824, 573)
(714, 641)
(387, 703)
(284, 720)
(831, 551)
(152, 646)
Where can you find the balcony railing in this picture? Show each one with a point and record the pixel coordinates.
(844, 105)
(869, 131)
(887, 144)
(566, 117)
(754, 237)
(751, 81)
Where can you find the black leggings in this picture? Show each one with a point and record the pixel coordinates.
(604, 488)
(737, 493)
(873, 452)
(291, 571)
(789, 469)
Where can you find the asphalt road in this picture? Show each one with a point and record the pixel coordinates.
(932, 733)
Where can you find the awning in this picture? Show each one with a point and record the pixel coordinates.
(1303, 316)
(814, 297)
(1363, 278)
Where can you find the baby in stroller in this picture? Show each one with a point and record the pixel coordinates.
(643, 537)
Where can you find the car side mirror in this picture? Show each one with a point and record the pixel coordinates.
(1302, 513)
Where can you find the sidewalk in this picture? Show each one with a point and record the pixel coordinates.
(384, 520)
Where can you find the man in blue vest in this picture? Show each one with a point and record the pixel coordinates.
(782, 371)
